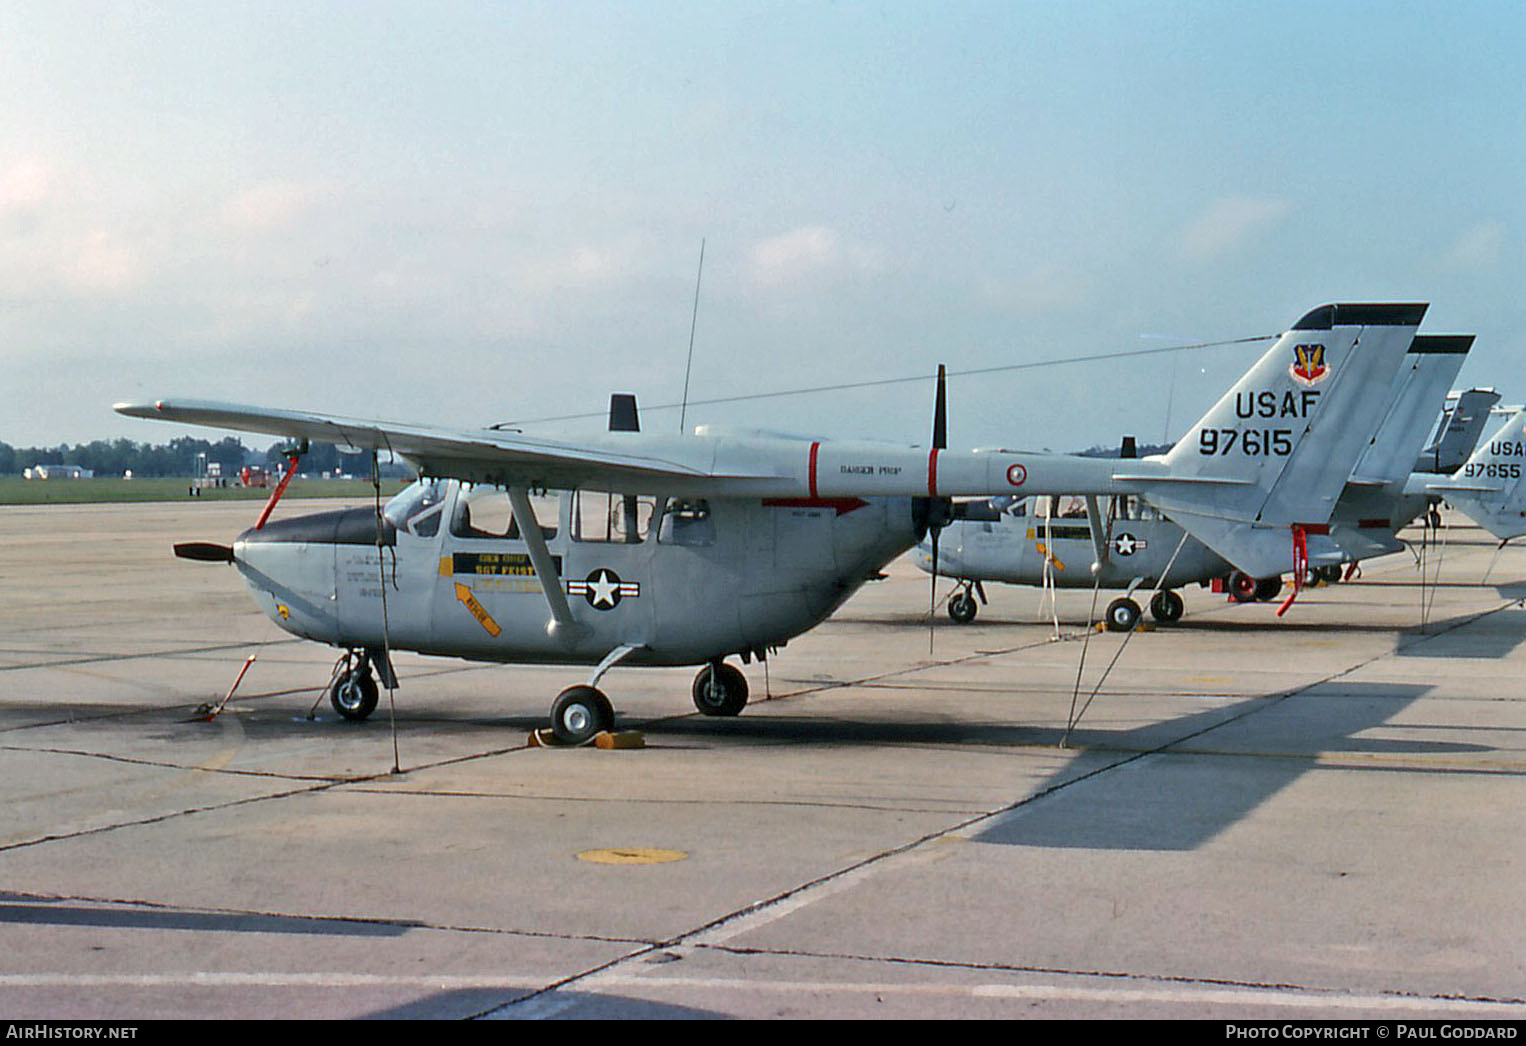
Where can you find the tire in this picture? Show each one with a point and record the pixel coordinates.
(1167, 607)
(579, 713)
(353, 694)
(720, 689)
(1242, 587)
(962, 608)
(1330, 574)
(1122, 615)
(1268, 589)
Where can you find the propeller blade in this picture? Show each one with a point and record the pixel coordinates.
(940, 411)
(939, 515)
(932, 590)
(204, 551)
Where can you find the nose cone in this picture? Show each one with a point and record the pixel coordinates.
(290, 565)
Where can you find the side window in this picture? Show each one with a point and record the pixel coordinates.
(686, 521)
(485, 512)
(617, 518)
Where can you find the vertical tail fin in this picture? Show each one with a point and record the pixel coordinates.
(1416, 395)
(1488, 489)
(1459, 432)
(1277, 449)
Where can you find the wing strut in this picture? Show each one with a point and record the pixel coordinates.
(561, 626)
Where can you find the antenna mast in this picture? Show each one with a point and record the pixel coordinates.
(683, 408)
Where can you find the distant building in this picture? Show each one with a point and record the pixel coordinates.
(57, 472)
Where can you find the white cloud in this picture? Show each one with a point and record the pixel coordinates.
(812, 252)
(1480, 246)
(25, 185)
(1231, 222)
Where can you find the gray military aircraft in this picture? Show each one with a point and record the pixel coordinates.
(688, 549)
(1133, 546)
(1488, 489)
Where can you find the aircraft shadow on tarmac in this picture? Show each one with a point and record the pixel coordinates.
(1493, 636)
(32, 911)
(468, 1002)
(1175, 799)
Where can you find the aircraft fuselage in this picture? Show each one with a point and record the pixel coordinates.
(687, 582)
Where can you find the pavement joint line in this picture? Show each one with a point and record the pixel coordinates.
(103, 658)
(1119, 975)
(1170, 991)
(771, 908)
(164, 765)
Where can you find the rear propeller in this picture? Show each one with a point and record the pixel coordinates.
(939, 511)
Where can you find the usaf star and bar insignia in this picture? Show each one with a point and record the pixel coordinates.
(603, 589)
(1127, 544)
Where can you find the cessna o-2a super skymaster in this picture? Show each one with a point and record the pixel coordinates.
(675, 550)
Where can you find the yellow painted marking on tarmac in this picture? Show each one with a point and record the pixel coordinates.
(1210, 679)
(632, 855)
(469, 601)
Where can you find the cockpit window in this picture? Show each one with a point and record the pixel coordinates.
(417, 507)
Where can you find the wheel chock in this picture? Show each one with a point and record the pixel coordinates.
(619, 739)
(544, 738)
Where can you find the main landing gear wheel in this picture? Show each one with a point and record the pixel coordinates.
(1122, 615)
(579, 713)
(961, 607)
(353, 694)
(1330, 573)
(1268, 588)
(720, 689)
(1167, 607)
(1242, 587)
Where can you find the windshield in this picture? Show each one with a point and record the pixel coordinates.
(417, 507)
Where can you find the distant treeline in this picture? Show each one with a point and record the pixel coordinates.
(183, 457)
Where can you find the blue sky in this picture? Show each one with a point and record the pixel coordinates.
(470, 213)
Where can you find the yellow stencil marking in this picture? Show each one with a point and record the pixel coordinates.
(484, 619)
(1049, 555)
(631, 855)
(447, 566)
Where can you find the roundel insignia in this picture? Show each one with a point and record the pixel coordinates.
(1127, 544)
(1017, 475)
(603, 589)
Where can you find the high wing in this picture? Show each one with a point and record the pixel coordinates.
(619, 461)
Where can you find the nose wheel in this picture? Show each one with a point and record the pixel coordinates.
(962, 607)
(720, 689)
(353, 692)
